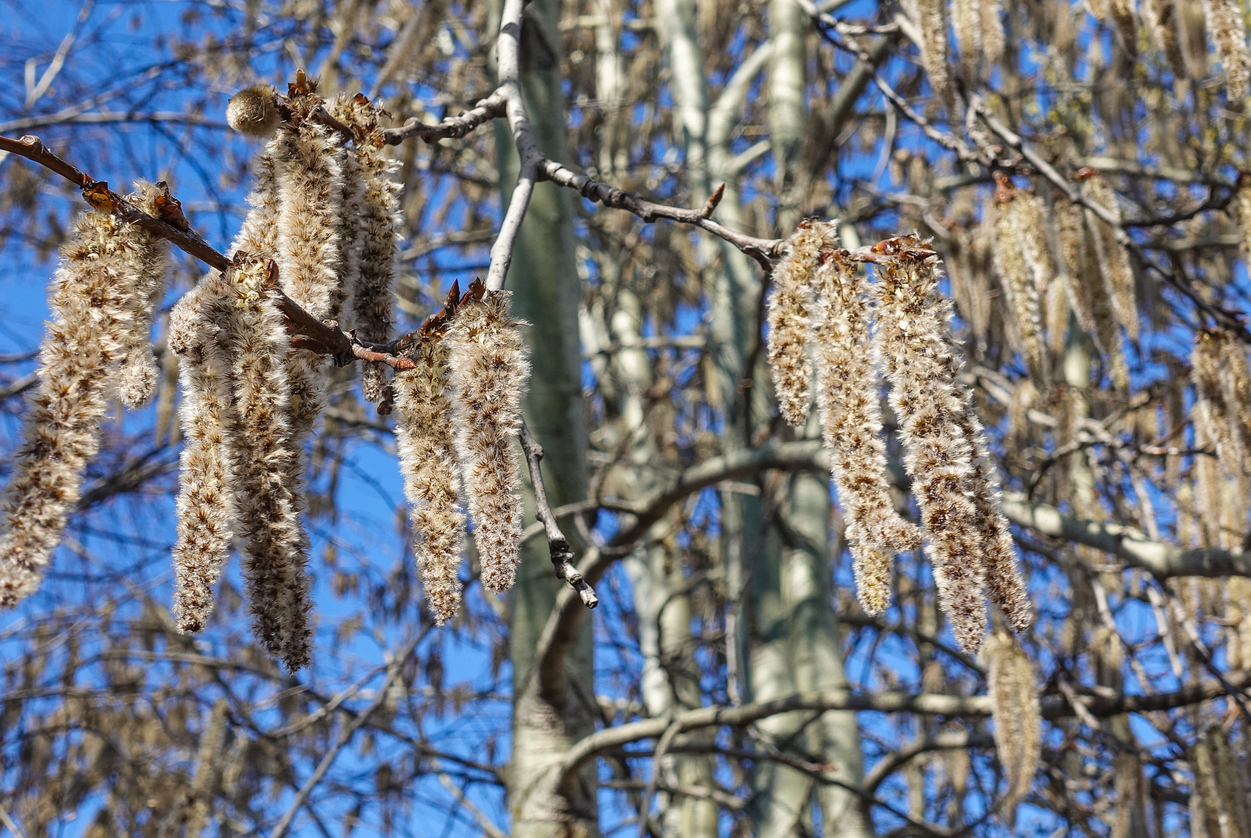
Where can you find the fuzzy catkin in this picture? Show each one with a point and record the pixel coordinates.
(309, 187)
(788, 314)
(1024, 264)
(1162, 23)
(913, 319)
(1118, 273)
(966, 23)
(423, 434)
(86, 341)
(848, 397)
(260, 451)
(930, 17)
(993, 41)
(1086, 291)
(1225, 24)
(1125, 19)
(1240, 208)
(1236, 379)
(1017, 714)
(489, 369)
(373, 295)
(139, 372)
(205, 503)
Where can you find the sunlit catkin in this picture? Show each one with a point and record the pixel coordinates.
(848, 396)
(489, 371)
(205, 503)
(1212, 411)
(930, 17)
(1086, 292)
(912, 340)
(966, 23)
(273, 544)
(1025, 266)
(1118, 272)
(1236, 378)
(1160, 16)
(789, 310)
(1224, 20)
(1018, 716)
(139, 371)
(86, 341)
(423, 434)
(1240, 209)
(993, 42)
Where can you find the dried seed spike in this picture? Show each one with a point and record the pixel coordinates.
(848, 396)
(992, 31)
(274, 545)
(205, 505)
(1118, 272)
(788, 312)
(966, 20)
(490, 367)
(309, 174)
(1161, 19)
(86, 341)
(145, 287)
(930, 17)
(1225, 25)
(912, 341)
(423, 431)
(1024, 263)
(1017, 714)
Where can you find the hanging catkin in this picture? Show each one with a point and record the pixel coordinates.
(1024, 263)
(1017, 714)
(789, 310)
(423, 433)
(930, 18)
(260, 459)
(1086, 292)
(1118, 273)
(1162, 23)
(1224, 20)
(205, 501)
(966, 23)
(489, 370)
(139, 371)
(912, 341)
(309, 174)
(88, 339)
(848, 395)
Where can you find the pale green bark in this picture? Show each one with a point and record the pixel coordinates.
(544, 280)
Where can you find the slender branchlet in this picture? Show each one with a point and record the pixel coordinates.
(139, 372)
(87, 341)
(789, 310)
(273, 543)
(1017, 713)
(423, 432)
(848, 396)
(205, 501)
(489, 370)
(1225, 25)
(254, 111)
(1118, 272)
(1019, 266)
(913, 343)
(1160, 17)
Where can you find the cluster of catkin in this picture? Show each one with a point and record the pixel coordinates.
(945, 450)
(1220, 800)
(97, 348)
(458, 417)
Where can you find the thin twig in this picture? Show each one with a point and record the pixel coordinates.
(557, 544)
(453, 127)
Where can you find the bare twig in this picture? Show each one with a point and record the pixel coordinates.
(453, 127)
(557, 544)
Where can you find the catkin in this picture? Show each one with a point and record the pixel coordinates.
(848, 396)
(993, 41)
(1236, 380)
(1024, 263)
(139, 372)
(1225, 25)
(489, 370)
(1125, 19)
(1086, 292)
(912, 342)
(966, 23)
(788, 313)
(423, 432)
(1240, 208)
(930, 17)
(373, 295)
(1017, 714)
(1162, 23)
(86, 342)
(205, 503)
(261, 454)
(1118, 273)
